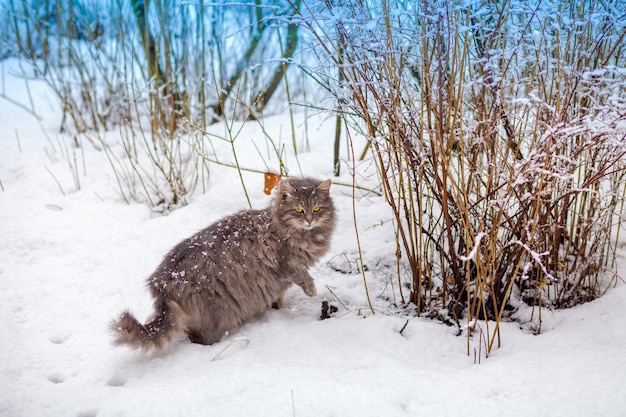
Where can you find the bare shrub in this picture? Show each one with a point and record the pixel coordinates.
(500, 134)
(159, 72)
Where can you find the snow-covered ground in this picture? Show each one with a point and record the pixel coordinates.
(71, 261)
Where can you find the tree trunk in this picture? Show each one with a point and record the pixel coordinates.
(155, 72)
(292, 43)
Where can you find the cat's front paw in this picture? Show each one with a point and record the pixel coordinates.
(309, 289)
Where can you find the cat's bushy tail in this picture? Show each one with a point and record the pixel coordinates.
(166, 323)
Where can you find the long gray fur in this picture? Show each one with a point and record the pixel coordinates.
(236, 268)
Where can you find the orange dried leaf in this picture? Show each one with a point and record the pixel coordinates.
(270, 181)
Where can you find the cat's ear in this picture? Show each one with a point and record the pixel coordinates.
(324, 187)
(285, 189)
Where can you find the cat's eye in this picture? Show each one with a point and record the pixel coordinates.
(316, 209)
(299, 210)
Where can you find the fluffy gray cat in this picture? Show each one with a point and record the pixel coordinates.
(236, 268)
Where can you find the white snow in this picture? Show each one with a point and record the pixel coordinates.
(71, 261)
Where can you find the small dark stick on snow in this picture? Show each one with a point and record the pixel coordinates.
(324, 314)
(404, 327)
(327, 310)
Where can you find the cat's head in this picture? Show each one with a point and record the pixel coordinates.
(304, 204)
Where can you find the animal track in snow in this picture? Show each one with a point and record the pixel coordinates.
(56, 378)
(58, 339)
(116, 381)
